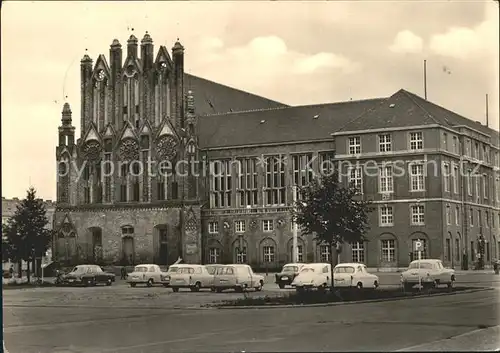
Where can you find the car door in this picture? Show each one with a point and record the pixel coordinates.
(98, 274)
(246, 272)
(153, 273)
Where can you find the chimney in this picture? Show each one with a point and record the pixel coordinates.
(132, 47)
(86, 92)
(178, 59)
(147, 52)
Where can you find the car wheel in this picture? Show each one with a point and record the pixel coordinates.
(150, 282)
(132, 285)
(196, 287)
(407, 287)
(450, 285)
(359, 285)
(259, 288)
(175, 290)
(109, 281)
(375, 284)
(281, 285)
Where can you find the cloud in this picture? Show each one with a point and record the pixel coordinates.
(261, 62)
(406, 42)
(465, 43)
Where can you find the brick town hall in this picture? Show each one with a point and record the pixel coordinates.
(145, 107)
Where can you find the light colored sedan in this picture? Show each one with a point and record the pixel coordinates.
(354, 275)
(430, 273)
(313, 276)
(147, 274)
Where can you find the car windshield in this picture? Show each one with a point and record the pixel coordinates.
(290, 269)
(307, 269)
(173, 269)
(140, 269)
(79, 269)
(416, 265)
(344, 269)
(211, 270)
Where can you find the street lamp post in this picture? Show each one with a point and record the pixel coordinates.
(295, 228)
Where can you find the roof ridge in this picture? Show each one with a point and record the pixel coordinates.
(409, 95)
(363, 114)
(294, 106)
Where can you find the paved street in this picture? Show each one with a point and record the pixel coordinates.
(150, 320)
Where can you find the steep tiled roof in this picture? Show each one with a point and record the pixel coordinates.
(215, 98)
(407, 109)
(399, 110)
(450, 119)
(278, 125)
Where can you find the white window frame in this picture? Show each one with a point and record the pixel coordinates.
(385, 143)
(446, 177)
(417, 214)
(416, 177)
(388, 250)
(416, 140)
(455, 179)
(239, 226)
(386, 216)
(354, 145)
(455, 145)
(386, 179)
(269, 253)
(357, 178)
(485, 186)
(241, 257)
(358, 252)
(445, 141)
(214, 255)
(448, 214)
(324, 253)
(267, 225)
(213, 227)
(457, 215)
(469, 184)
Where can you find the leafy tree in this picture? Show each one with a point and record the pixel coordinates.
(26, 233)
(334, 213)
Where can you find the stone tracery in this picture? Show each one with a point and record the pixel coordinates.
(92, 151)
(129, 150)
(166, 148)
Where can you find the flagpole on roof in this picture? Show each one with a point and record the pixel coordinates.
(425, 79)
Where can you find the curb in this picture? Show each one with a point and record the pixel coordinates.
(63, 306)
(277, 306)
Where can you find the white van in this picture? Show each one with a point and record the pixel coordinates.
(194, 277)
(238, 277)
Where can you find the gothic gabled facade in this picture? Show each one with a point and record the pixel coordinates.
(134, 115)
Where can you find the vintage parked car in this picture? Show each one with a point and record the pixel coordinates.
(354, 275)
(88, 275)
(287, 274)
(194, 277)
(430, 273)
(147, 274)
(312, 276)
(238, 277)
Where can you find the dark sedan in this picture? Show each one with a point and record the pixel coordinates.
(88, 275)
(287, 274)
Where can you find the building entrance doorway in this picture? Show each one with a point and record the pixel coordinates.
(163, 251)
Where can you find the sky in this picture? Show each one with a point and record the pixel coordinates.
(293, 52)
